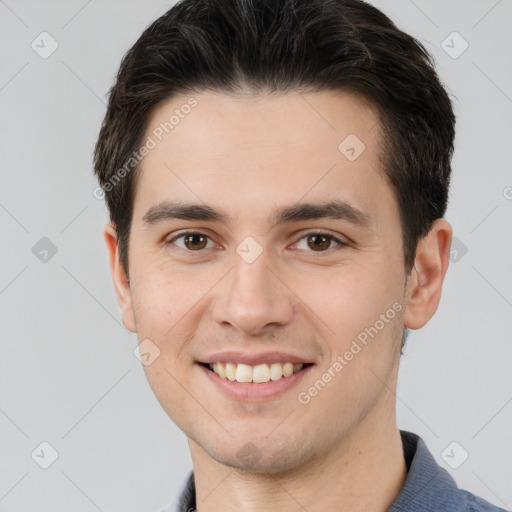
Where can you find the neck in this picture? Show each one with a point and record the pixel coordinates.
(363, 472)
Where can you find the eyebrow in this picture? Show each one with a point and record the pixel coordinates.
(336, 210)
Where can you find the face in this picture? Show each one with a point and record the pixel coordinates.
(291, 254)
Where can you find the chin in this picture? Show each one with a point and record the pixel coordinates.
(262, 457)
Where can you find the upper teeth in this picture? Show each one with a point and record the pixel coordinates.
(259, 373)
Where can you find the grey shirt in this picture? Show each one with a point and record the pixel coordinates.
(428, 487)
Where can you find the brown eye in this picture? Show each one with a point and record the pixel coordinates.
(192, 241)
(319, 242)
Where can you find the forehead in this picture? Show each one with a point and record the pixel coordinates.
(243, 150)
(270, 118)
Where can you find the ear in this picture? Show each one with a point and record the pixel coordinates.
(426, 279)
(121, 283)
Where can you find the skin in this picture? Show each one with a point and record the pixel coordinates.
(342, 450)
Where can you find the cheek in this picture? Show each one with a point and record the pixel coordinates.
(154, 308)
(345, 296)
(162, 298)
(355, 304)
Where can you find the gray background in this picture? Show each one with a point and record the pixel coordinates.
(68, 375)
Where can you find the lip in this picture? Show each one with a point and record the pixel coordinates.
(233, 356)
(255, 392)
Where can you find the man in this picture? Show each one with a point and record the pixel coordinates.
(276, 175)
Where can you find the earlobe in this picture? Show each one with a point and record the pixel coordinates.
(121, 283)
(426, 280)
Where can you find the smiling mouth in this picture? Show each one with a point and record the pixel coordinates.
(257, 374)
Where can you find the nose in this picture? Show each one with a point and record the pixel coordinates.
(254, 299)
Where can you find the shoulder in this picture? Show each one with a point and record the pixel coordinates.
(428, 486)
(477, 504)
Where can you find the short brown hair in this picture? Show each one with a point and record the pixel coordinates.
(282, 46)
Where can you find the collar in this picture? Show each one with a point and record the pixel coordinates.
(427, 486)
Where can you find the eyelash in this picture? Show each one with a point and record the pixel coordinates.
(340, 243)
